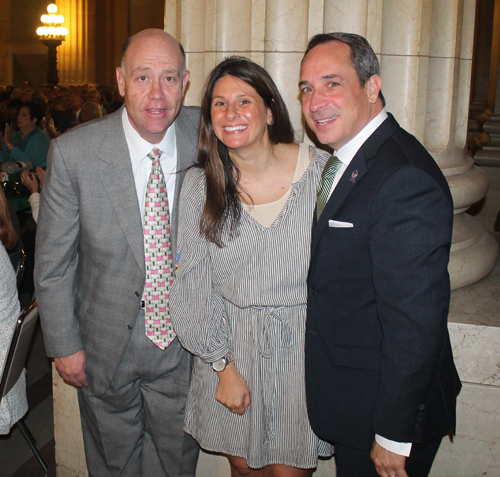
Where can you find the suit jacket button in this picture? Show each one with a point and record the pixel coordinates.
(418, 419)
(421, 407)
(129, 326)
(137, 294)
(420, 413)
(416, 426)
(311, 291)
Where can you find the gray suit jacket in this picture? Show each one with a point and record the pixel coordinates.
(90, 271)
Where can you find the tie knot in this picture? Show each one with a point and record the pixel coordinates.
(154, 154)
(332, 166)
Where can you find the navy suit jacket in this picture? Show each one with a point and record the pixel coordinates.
(378, 354)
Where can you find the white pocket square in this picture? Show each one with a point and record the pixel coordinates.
(339, 224)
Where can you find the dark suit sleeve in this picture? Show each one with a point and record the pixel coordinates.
(56, 258)
(409, 243)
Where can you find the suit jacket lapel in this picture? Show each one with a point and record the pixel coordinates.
(186, 138)
(347, 182)
(117, 177)
(352, 175)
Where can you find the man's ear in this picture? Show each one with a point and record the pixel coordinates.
(374, 87)
(120, 79)
(185, 80)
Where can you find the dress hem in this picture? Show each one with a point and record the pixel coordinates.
(250, 464)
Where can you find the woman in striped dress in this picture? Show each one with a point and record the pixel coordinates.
(239, 298)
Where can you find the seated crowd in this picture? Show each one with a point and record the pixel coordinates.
(55, 109)
(29, 119)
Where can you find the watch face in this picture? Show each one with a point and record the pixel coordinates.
(219, 365)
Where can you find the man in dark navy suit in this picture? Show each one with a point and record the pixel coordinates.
(380, 378)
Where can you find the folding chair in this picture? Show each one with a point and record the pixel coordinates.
(20, 269)
(15, 362)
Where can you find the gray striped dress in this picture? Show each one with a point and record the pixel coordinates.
(249, 298)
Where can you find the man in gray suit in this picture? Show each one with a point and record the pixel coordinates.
(90, 267)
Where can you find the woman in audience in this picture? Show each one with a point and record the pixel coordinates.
(15, 405)
(30, 143)
(239, 298)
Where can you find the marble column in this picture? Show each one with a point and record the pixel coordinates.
(425, 49)
(77, 55)
(70, 454)
(285, 38)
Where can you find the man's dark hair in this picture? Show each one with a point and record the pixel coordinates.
(363, 58)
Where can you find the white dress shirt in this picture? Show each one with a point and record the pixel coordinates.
(349, 150)
(139, 149)
(345, 155)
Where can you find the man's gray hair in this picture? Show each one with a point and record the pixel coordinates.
(363, 58)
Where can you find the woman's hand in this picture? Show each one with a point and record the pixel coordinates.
(7, 138)
(29, 180)
(40, 173)
(7, 135)
(233, 391)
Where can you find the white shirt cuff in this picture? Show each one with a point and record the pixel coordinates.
(401, 448)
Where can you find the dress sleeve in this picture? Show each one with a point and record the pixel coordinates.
(34, 200)
(198, 310)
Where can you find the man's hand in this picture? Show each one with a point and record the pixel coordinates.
(72, 368)
(233, 390)
(387, 463)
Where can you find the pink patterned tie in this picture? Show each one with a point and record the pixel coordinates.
(158, 252)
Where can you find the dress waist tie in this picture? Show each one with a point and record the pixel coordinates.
(269, 331)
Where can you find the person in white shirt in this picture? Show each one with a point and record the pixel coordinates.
(91, 273)
(380, 378)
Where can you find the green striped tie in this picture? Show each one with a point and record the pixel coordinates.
(325, 186)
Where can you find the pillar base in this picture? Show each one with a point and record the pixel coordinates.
(474, 252)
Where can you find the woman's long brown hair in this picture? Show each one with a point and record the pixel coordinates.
(8, 235)
(222, 206)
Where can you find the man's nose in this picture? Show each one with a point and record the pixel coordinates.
(156, 91)
(317, 101)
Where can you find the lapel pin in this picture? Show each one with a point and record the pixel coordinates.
(353, 176)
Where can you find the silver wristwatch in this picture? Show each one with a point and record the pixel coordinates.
(220, 364)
